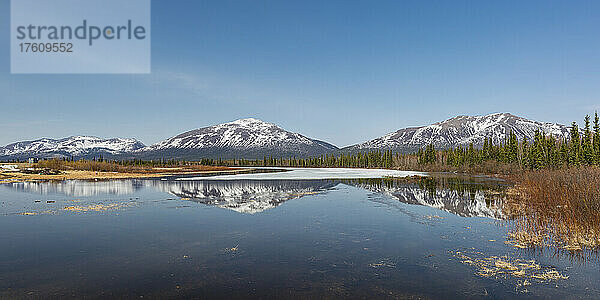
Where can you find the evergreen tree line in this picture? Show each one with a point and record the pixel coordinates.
(371, 159)
(544, 151)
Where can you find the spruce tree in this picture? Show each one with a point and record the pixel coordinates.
(564, 152)
(537, 151)
(486, 148)
(574, 145)
(596, 139)
(525, 153)
(588, 150)
(513, 147)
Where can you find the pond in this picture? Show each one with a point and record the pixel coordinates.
(309, 236)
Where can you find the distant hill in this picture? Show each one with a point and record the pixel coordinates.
(76, 146)
(245, 138)
(461, 131)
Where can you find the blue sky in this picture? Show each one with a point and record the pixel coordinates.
(340, 71)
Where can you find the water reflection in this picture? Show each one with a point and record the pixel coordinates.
(244, 196)
(80, 188)
(356, 239)
(459, 197)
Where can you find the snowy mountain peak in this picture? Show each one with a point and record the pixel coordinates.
(493, 117)
(244, 138)
(247, 121)
(461, 131)
(78, 146)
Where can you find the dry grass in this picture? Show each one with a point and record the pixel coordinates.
(103, 166)
(76, 174)
(557, 207)
(508, 267)
(97, 207)
(486, 167)
(83, 165)
(86, 170)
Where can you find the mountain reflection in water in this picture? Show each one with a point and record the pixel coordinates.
(81, 188)
(457, 196)
(244, 196)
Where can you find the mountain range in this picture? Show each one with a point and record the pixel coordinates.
(75, 146)
(461, 131)
(253, 139)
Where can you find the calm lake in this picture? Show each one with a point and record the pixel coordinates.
(301, 235)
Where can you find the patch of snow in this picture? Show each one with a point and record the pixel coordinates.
(10, 168)
(313, 173)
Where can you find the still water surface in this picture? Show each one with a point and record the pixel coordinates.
(353, 238)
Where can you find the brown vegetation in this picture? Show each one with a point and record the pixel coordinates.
(104, 166)
(75, 175)
(487, 167)
(89, 169)
(506, 267)
(559, 207)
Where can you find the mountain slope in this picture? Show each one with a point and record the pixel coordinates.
(461, 131)
(254, 139)
(245, 138)
(76, 146)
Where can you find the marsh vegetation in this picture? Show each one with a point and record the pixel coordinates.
(133, 166)
(557, 207)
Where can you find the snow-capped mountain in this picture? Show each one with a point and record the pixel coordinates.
(254, 139)
(245, 138)
(76, 146)
(461, 131)
(249, 197)
(462, 204)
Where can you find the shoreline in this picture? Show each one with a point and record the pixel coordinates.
(16, 177)
(160, 172)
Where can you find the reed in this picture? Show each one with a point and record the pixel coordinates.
(558, 206)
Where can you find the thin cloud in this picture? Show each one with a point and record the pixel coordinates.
(180, 81)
